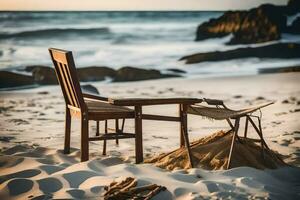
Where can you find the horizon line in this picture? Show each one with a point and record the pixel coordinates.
(117, 10)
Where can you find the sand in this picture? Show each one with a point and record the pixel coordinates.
(212, 153)
(32, 128)
(28, 172)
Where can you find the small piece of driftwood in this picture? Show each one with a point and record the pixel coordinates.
(127, 189)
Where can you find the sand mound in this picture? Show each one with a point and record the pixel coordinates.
(212, 153)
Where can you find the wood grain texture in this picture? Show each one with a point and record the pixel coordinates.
(153, 101)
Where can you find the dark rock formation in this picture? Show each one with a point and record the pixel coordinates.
(279, 50)
(89, 89)
(44, 75)
(175, 70)
(257, 25)
(136, 74)
(95, 73)
(293, 7)
(295, 27)
(10, 79)
(279, 70)
(30, 68)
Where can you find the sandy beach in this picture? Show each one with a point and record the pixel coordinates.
(243, 55)
(32, 132)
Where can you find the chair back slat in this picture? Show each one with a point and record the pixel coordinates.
(67, 85)
(70, 85)
(67, 77)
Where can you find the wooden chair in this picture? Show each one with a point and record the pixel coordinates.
(93, 107)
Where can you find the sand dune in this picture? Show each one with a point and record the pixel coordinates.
(26, 175)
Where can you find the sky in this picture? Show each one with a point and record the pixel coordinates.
(133, 4)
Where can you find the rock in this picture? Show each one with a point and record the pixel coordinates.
(220, 27)
(293, 7)
(95, 73)
(137, 74)
(257, 25)
(89, 89)
(279, 70)
(178, 71)
(30, 68)
(268, 33)
(295, 27)
(10, 79)
(279, 50)
(44, 75)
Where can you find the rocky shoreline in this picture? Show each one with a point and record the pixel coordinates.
(257, 25)
(44, 75)
(279, 50)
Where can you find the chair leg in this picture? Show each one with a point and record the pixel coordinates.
(97, 128)
(230, 124)
(246, 127)
(262, 143)
(67, 132)
(184, 130)
(258, 132)
(104, 141)
(235, 133)
(181, 132)
(123, 124)
(117, 131)
(138, 135)
(84, 138)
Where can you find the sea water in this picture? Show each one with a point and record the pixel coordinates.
(115, 39)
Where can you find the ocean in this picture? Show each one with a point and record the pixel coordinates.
(144, 39)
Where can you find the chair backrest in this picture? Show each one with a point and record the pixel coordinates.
(67, 77)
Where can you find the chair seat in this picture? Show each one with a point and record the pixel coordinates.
(101, 110)
(223, 113)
